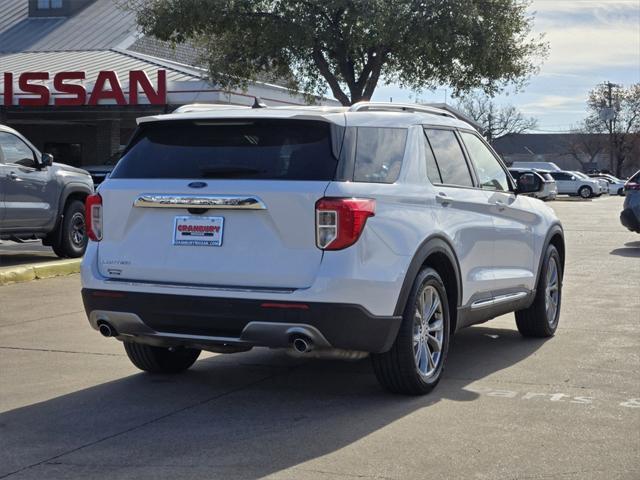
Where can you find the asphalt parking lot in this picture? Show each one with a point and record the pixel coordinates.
(72, 406)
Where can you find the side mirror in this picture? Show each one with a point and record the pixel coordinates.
(528, 183)
(46, 160)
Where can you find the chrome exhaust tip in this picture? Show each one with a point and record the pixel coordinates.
(302, 345)
(105, 329)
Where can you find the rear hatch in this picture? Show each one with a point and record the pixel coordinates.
(226, 203)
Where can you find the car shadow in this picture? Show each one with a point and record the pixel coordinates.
(632, 249)
(253, 413)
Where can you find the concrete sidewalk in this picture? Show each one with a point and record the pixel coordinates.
(23, 262)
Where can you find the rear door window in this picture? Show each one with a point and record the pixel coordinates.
(231, 149)
(379, 154)
(490, 173)
(449, 157)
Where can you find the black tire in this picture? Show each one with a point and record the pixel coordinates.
(536, 321)
(585, 192)
(159, 359)
(70, 241)
(397, 370)
(621, 192)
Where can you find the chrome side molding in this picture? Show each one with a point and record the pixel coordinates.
(509, 297)
(237, 202)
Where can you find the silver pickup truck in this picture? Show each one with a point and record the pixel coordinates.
(40, 198)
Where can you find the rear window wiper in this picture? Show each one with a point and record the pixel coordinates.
(230, 172)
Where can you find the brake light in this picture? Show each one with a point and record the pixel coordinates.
(631, 186)
(340, 221)
(93, 217)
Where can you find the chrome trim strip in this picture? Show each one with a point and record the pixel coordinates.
(497, 300)
(196, 286)
(237, 202)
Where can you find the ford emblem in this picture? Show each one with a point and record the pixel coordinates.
(198, 184)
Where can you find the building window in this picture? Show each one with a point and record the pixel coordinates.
(49, 4)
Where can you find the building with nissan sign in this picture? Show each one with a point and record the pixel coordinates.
(75, 75)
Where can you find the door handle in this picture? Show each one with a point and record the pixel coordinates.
(442, 199)
(12, 176)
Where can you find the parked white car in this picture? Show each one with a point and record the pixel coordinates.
(570, 184)
(381, 228)
(616, 186)
(604, 186)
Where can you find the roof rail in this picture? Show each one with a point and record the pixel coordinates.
(203, 107)
(403, 107)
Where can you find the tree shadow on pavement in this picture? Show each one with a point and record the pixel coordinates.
(244, 415)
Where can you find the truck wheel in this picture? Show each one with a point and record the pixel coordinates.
(71, 240)
(159, 359)
(416, 360)
(541, 318)
(585, 192)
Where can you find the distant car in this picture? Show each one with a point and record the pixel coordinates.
(604, 185)
(537, 165)
(548, 189)
(630, 215)
(99, 172)
(569, 184)
(616, 185)
(40, 198)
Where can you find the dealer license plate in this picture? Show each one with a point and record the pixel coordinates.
(198, 231)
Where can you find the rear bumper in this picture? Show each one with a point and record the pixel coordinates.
(197, 321)
(629, 219)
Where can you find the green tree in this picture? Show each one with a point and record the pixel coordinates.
(352, 45)
(615, 110)
(495, 120)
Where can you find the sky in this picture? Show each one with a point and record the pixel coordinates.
(590, 41)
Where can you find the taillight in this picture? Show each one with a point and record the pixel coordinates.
(93, 217)
(340, 221)
(631, 186)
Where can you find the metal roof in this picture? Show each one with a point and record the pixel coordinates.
(93, 62)
(99, 26)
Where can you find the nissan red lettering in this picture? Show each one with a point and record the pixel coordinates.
(34, 91)
(101, 93)
(41, 90)
(155, 97)
(77, 90)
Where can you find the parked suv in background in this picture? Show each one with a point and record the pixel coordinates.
(379, 228)
(39, 198)
(548, 189)
(570, 184)
(630, 215)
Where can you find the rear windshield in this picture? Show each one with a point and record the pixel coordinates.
(234, 149)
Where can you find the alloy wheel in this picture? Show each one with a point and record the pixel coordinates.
(428, 331)
(77, 229)
(552, 292)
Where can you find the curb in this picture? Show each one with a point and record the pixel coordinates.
(26, 273)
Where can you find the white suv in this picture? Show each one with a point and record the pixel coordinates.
(572, 185)
(378, 228)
